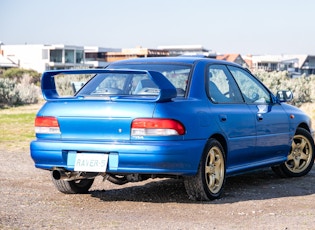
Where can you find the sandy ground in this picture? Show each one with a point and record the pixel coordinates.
(259, 200)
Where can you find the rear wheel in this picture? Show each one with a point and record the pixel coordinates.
(301, 156)
(208, 183)
(73, 187)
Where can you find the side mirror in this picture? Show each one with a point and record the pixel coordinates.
(285, 95)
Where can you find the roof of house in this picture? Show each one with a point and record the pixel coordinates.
(228, 57)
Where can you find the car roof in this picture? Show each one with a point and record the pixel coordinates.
(179, 59)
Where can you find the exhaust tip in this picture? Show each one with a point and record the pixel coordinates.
(56, 174)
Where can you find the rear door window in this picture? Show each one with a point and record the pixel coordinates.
(221, 85)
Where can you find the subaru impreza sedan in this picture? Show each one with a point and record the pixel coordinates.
(196, 119)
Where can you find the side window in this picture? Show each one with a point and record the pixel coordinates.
(252, 90)
(221, 85)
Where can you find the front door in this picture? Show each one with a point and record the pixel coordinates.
(271, 120)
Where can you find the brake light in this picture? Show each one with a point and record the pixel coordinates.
(156, 127)
(48, 125)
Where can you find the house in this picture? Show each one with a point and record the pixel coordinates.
(138, 52)
(236, 58)
(45, 57)
(53, 57)
(294, 64)
(97, 57)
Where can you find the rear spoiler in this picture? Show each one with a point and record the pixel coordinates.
(167, 90)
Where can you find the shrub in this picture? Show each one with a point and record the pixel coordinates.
(18, 74)
(19, 86)
(8, 93)
(301, 87)
(28, 92)
(14, 92)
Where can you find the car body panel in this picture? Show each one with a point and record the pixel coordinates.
(154, 157)
(273, 133)
(95, 120)
(237, 124)
(253, 136)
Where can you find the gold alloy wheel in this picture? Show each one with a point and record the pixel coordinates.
(301, 154)
(214, 169)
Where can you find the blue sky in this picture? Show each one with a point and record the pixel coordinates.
(224, 26)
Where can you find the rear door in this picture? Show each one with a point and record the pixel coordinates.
(233, 116)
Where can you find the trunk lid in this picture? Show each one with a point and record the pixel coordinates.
(96, 120)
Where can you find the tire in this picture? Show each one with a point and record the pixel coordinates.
(209, 181)
(73, 187)
(301, 157)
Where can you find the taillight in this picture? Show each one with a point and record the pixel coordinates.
(156, 127)
(48, 125)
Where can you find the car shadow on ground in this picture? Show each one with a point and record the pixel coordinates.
(260, 185)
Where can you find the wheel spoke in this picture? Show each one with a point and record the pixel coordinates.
(211, 181)
(302, 144)
(291, 156)
(212, 156)
(304, 156)
(208, 170)
(294, 146)
(296, 164)
(218, 168)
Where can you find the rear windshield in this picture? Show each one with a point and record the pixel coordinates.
(136, 84)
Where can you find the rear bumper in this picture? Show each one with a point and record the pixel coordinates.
(155, 157)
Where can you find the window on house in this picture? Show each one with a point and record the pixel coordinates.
(69, 56)
(55, 56)
(79, 56)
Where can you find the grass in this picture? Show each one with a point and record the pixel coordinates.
(13, 124)
(17, 127)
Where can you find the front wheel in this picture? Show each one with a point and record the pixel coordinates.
(301, 157)
(208, 183)
(73, 187)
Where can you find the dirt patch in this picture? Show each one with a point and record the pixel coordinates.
(258, 200)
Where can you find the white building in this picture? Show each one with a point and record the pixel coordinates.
(294, 64)
(188, 50)
(45, 57)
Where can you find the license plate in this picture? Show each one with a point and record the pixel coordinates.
(91, 162)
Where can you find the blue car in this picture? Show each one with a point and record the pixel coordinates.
(191, 118)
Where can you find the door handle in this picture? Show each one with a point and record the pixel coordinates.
(260, 117)
(223, 118)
